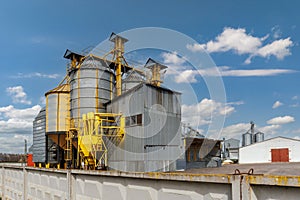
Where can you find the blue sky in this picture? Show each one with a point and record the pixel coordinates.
(254, 44)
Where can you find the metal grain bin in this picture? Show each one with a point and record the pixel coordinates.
(57, 109)
(247, 139)
(259, 137)
(133, 79)
(91, 87)
(39, 137)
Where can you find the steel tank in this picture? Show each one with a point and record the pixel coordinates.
(132, 80)
(259, 137)
(39, 137)
(57, 109)
(247, 139)
(91, 86)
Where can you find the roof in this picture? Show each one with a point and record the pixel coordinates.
(64, 88)
(279, 137)
(150, 62)
(70, 54)
(138, 87)
(230, 139)
(113, 37)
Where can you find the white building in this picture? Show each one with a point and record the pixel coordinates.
(278, 149)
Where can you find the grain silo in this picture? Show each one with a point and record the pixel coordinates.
(259, 137)
(91, 86)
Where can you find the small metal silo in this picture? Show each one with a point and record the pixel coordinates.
(39, 137)
(247, 139)
(133, 79)
(57, 109)
(259, 137)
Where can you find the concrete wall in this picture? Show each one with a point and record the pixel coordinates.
(36, 183)
(261, 152)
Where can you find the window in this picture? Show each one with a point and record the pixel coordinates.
(139, 119)
(135, 120)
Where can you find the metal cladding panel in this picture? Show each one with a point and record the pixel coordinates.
(156, 142)
(39, 137)
(91, 87)
(131, 103)
(168, 100)
(127, 85)
(57, 111)
(232, 143)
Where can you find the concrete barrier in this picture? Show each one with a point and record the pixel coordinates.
(39, 183)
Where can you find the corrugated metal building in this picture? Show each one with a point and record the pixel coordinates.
(231, 149)
(202, 152)
(153, 132)
(279, 149)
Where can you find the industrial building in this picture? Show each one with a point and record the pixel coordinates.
(202, 153)
(278, 149)
(231, 149)
(106, 114)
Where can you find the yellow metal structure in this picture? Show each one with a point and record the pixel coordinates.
(155, 68)
(118, 54)
(97, 130)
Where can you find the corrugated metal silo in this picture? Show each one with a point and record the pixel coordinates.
(247, 139)
(57, 109)
(259, 137)
(39, 138)
(91, 87)
(133, 79)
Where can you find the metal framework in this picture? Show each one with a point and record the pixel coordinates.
(98, 130)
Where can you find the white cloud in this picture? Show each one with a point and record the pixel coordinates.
(235, 130)
(225, 71)
(241, 42)
(297, 131)
(295, 97)
(196, 47)
(201, 113)
(279, 49)
(18, 95)
(14, 143)
(38, 75)
(15, 126)
(281, 120)
(276, 32)
(172, 58)
(231, 39)
(295, 105)
(277, 104)
(270, 129)
(187, 76)
(17, 120)
(297, 137)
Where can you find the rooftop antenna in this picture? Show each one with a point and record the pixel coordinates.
(118, 52)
